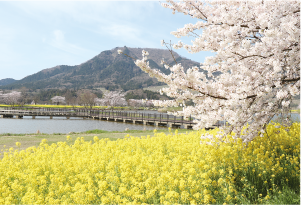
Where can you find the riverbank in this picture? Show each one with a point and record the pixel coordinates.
(8, 140)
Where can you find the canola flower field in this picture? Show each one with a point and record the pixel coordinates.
(163, 169)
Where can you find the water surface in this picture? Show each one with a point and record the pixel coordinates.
(62, 125)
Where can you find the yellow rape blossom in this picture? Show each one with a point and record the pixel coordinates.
(168, 168)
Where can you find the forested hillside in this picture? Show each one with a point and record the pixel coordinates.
(7, 81)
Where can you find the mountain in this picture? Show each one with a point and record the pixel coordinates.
(108, 69)
(7, 81)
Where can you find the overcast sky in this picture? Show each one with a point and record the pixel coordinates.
(35, 35)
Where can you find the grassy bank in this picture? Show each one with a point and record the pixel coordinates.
(28, 140)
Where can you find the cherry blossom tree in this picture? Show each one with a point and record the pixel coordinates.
(135, 103)
(11, 98)
(113, 98)
(254, 73)
(140, 103)
(101, 102)
(58, 100)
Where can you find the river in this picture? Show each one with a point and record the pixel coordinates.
(62, 125)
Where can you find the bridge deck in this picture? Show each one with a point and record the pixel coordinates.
(130, 117)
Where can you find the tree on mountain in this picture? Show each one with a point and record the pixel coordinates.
(254, 73)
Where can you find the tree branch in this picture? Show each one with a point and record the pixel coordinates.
(290, 80)
(199, 11)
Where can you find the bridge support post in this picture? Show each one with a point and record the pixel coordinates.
(8, 116)
(173, 125)
(19, 116)
(187, 126)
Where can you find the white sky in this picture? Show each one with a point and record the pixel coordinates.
(35, 35)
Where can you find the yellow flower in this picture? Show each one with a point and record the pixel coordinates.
(168, 168)
(228, 198)
(18, 144)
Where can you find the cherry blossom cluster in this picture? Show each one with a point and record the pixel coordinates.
(58, 99)
(11, 98)
(113, 98)
(254, 73)
(140, 103)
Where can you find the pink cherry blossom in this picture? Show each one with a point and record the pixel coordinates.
(257, 58)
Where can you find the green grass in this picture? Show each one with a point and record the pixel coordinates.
(28, 140)
(287, 196)
(96, 131)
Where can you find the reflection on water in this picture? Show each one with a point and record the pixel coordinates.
(62, 125)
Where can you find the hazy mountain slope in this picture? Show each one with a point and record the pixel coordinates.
(7, 81)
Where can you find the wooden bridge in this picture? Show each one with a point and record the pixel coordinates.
(109, 115)
(96, 114)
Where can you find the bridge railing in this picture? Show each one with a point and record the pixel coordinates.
(141, 116)
(159, 117)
